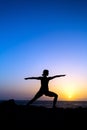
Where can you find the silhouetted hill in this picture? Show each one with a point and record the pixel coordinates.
(21, 116)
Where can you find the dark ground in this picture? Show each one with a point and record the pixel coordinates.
(33, 117)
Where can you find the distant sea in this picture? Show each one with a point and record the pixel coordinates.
(48, 104)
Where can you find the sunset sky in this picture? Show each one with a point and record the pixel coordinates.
(43, 34)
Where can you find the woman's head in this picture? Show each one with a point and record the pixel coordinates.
(45, 72)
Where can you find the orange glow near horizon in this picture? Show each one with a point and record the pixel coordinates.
(67, 88)
(70, 90)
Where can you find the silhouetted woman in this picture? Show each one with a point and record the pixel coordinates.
(44, 90)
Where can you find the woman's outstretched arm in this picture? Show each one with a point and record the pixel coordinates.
(32, 78)
(57, 76)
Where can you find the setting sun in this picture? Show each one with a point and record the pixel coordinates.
(69, 92)
(70, 96)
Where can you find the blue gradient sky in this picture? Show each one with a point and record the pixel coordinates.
(43, 34)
